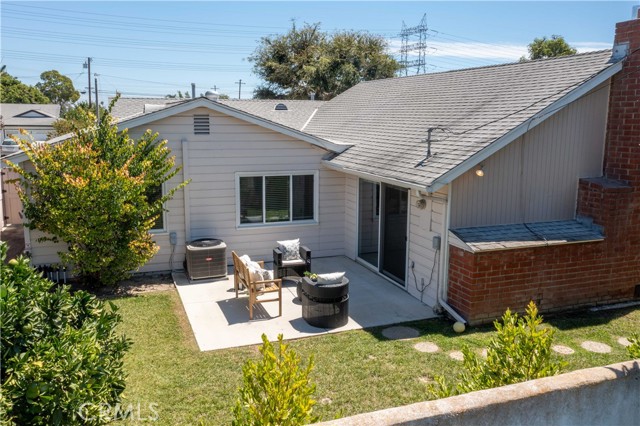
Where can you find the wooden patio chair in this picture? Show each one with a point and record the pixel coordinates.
(242, 275)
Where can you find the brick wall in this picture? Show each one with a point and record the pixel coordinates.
(482, 285)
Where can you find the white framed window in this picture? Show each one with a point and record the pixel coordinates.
(267, 199)
(154, 194)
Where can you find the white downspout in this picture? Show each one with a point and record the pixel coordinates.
(444, 264)
(185, 177)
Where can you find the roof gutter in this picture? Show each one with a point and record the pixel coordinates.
(521, 129)
(372, 177)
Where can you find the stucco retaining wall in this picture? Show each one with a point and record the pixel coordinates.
(607, 395)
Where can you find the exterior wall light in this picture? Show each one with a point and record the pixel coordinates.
(480, 170)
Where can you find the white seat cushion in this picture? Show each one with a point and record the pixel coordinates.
(296, 262)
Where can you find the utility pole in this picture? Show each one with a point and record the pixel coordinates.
(240, 83)
(87, 65)
(97, 104)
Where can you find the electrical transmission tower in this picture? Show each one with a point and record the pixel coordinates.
(418, 37)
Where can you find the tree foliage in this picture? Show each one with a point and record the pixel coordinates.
(59, 349)
(306, 60)
(276, 390)
(78, 116)
(58, 88)
(634, 348)
(552, 47)
(520, 351)
(13, 91)
(92, 192)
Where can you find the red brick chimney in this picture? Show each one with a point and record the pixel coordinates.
(613, 201)
(622, 155)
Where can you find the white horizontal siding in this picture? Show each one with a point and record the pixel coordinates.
(424, 224)
(535, 178)
(236, 146)
(351, 216)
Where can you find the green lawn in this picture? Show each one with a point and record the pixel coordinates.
(356, 371)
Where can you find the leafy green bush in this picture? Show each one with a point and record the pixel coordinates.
(99, 193)
(59, 351)
(634, 347)
(520, 351)
(275, 391)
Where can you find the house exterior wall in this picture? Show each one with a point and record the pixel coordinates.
(351, 217)
(235, 146)
(424, 224)
(482, 285)
(535, 178)
(212, 162)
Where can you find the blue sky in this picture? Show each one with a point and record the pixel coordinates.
(156, 48)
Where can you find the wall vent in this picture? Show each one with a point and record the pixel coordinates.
(201, 124)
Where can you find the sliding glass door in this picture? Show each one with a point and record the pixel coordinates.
(382, 228)
(369, 221)
(394, 232)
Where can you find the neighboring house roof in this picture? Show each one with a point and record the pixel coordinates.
(25, 115)
(387, 120)
(127, 108)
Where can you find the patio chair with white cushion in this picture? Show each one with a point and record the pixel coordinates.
(257, 281)
(291, 256)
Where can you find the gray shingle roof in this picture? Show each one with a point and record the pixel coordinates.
(504, 237)
(295, 117)
(387, 120)
(127, 108)
(11, 114)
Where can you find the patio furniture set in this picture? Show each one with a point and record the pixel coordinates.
(324, 297)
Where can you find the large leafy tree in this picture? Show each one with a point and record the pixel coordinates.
(306, 60)
(58, 88)
(97, 192)
(544, 47)
(13, 91)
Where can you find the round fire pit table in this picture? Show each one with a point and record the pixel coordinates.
(325, 305)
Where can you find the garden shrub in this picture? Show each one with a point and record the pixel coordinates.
(276, 389)
(520, 351)
(60, 350)
(98, 192)
(634, 348)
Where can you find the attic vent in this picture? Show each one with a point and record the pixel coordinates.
(281, 107)
(200, 124)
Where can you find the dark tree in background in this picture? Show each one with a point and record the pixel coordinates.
(13, 91)
(541, 48)
(58, 88)
(307, 60)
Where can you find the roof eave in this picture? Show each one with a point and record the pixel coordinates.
(233, 112)
(374, 177)
(521, 129)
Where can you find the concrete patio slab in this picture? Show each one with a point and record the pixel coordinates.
(219, 320)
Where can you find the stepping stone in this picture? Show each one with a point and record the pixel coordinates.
(426, 347)
(563, 350)
(624, 341)
(325, 401)
(400, 333)
(596, 347)
(426, 380)
(457, 355)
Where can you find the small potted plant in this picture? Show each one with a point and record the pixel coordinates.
(312, 276)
